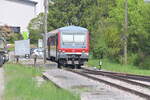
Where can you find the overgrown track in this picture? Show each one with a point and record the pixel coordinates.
(85, 74)
(121, 75)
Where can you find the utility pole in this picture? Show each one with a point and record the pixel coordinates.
(45, 29)
(125, 32)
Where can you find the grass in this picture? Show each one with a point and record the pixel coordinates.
(11, 49)
(21, 85)
(115, 67)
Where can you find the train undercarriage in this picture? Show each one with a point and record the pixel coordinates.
(73, 60)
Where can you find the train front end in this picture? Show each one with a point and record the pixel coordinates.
(73, 46)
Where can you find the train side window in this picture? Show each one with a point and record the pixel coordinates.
(53, 40)
(56, 39)
(49, 41)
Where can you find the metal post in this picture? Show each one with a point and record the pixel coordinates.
(45, 29)
(35, 59)
(17, 59)
(126, 31)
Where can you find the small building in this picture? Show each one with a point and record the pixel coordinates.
(17, 13)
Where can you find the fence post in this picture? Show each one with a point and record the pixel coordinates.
(17, 59)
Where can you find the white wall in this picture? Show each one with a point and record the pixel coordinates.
(16, 14)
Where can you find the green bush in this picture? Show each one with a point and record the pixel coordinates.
(132, 58)
(99, 52)
(145, 64)
(16, 36)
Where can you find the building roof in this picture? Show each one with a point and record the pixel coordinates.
(31, 1)
(28, 1)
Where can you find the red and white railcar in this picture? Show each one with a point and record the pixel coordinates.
(68, 45)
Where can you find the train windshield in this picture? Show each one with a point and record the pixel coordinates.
(79, 38)
(73, 40)
(67, 38)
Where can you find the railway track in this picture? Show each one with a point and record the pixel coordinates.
(118, 78)
(121, 75)
(90, 74)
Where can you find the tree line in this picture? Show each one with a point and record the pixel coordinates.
(105, 21)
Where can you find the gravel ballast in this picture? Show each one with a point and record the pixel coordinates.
(124, 84)
(87, 88)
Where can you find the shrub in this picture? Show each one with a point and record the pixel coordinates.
(132, 58)
(99, 52)
(145, 64)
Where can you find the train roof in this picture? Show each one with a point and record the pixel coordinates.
(75, 29)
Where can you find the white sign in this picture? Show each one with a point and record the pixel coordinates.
(40, 43)
(22, 47)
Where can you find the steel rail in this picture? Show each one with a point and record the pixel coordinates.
(118, 78)
(123, 75)
(146, 96)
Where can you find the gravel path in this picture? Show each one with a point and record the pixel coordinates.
(1, 82)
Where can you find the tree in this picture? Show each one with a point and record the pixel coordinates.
(85, 13)
(138, 33)
(35, 28)
(105, 21)
(6, 32)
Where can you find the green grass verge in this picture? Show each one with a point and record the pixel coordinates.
(21, 85)
(111, 66)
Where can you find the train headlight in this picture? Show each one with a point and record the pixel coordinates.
(83, 51)
(59, 50)
(87, 54)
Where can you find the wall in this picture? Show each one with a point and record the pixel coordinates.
(16, 13)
